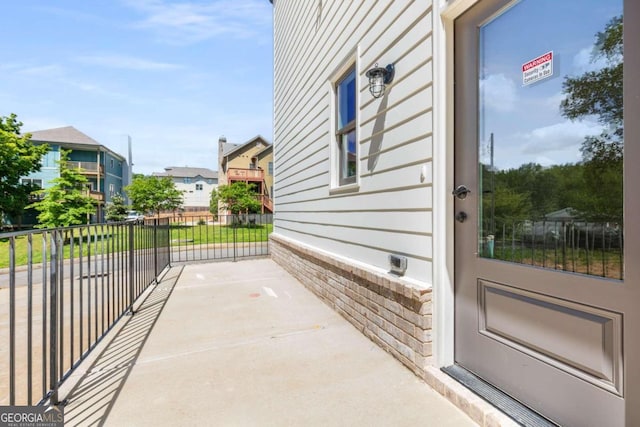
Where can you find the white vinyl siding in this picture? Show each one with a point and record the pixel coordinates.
(391, 210)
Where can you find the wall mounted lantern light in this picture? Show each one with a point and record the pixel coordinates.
(378, 78)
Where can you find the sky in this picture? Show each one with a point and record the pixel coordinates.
(525, 118)
(173, 75)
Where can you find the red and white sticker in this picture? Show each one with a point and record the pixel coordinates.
(537, 69)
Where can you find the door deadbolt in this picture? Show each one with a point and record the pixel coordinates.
(461, 217)
(461, 192)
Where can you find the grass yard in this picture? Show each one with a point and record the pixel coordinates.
(603, 262)
(115, 238)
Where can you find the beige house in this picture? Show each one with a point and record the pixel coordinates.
(250, 162)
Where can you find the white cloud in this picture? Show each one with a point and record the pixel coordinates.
(498, 92)
(557, 137)
(191, 22)
(553, 101)
(48, 71)
(583, 61)
(126, 62)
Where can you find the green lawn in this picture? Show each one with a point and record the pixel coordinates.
(596, 262)
(108, 239)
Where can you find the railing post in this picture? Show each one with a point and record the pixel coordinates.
(155, 248)
(131, 267)
(12, 321)
(234, 226)
(53, 318)
(169, 249)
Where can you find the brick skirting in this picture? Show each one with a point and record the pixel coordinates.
(391, 313)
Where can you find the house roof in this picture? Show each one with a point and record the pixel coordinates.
(264, 150)
(228, 148)
(226, 151)
(70, 137)
(67, 134)
(562, 215)
(187, 172)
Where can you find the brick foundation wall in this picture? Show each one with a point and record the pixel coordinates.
(393, 314)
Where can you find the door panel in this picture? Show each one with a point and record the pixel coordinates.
(543, 296)
(529, 322)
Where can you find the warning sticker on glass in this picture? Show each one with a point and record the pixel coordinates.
(537, 69)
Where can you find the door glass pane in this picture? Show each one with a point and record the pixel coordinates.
(550, 136)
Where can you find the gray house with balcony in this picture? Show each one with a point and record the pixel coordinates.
(106, 170)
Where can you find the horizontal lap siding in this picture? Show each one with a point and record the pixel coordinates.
(391, 210)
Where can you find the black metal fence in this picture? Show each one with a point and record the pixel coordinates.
(595, 249)
(61, 291)
(208, 238)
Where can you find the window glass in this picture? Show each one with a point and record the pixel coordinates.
(550, 138)
(346, 133)
(347, 99)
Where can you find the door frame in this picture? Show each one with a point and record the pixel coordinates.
(445, 12)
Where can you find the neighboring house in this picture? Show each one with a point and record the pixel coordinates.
(106, 170)
(196, 185)
(250, 162)
(381, 200)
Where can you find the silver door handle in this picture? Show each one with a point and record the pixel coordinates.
(461, 192)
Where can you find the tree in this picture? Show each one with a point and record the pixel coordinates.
(154, 194)
(116, 210)
(18, 158)
(600, 93)
(66, 202)
(238, 197)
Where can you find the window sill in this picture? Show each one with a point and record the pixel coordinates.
(349, 188)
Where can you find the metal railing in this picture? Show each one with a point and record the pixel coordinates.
(224, 237)
(91, 168)
(595, 249)
(61, 291)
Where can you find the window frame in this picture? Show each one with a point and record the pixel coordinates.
(340, 180)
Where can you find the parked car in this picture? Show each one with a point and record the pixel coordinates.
(134, 216)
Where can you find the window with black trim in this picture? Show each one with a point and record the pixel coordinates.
(346, 128)
(36, 183)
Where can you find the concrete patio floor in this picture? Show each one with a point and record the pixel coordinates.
(245, 344)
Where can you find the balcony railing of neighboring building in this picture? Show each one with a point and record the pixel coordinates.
(89, 168)
(267, 204)
(237, 174)
(96, 195)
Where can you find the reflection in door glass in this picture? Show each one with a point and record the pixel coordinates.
(551, 136)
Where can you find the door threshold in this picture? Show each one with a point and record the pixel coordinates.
(520, 413)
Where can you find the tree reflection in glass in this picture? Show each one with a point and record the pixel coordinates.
(541, 205)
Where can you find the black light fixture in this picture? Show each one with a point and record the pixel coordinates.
(378, 78)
